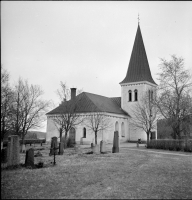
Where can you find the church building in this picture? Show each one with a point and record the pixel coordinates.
(118, 110)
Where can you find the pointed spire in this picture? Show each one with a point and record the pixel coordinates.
(138, 69)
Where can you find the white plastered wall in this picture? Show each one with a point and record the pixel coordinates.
(106, 135)
(141, 87)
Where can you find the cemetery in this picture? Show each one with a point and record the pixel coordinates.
(116, 170)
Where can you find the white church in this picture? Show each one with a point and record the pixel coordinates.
(118, 110)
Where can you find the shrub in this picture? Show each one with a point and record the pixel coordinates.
(67, 142)
(171, 144)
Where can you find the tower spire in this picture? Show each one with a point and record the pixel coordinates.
(138, 69)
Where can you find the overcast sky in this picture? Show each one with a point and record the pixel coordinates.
(88, 44)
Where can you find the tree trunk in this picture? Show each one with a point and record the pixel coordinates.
(147, 138)
(1, 144)
(65, 141)
(60, 135)
(95, 137)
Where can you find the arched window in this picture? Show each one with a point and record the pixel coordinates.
(116, 126)
(136, 95)
(122, 130)
(84, 132)
(130, 95)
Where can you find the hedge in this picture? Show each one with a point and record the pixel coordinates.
(171, 144)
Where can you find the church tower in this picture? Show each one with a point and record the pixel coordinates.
(137, 81)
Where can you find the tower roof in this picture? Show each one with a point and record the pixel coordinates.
(138, 69)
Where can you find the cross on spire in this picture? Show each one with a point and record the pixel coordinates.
(138, 18)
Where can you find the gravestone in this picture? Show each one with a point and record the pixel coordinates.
(96, 149)
(115, 148)
(102, 146)
(13, 156)
(61, 147)
(4, 155)
(29, 158)
(81, 141)
(53, 144)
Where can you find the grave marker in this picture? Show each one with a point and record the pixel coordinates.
(61, 147)
(115, 148)
(13, 156)
(96, 149)
(53, 144)
(29, 158)
(102, 146)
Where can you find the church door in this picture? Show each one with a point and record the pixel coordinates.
(72, 135)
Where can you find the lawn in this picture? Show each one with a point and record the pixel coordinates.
(129, 174)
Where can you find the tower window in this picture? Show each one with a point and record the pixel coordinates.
(130, 95)
(84, 132)
(136, 95)
(151, 95)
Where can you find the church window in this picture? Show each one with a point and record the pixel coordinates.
(136, 95)
(130, 95)
(84, 132)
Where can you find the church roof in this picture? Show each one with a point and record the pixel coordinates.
(88, 102)
(138, 69)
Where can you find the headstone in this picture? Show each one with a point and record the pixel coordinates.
(96, 149)
(61, 147)
(29, 158)
(13, 151)
(102, 146)
(53, 144)
(115, 148)
(81, 141)
(4, 155)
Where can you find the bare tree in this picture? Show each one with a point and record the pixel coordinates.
(6, 101)
(64, 93)
(145, 115)
(97, 122)
(174, 94)
(28, 108)
(69, 118)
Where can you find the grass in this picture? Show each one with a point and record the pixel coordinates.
(128, 174)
